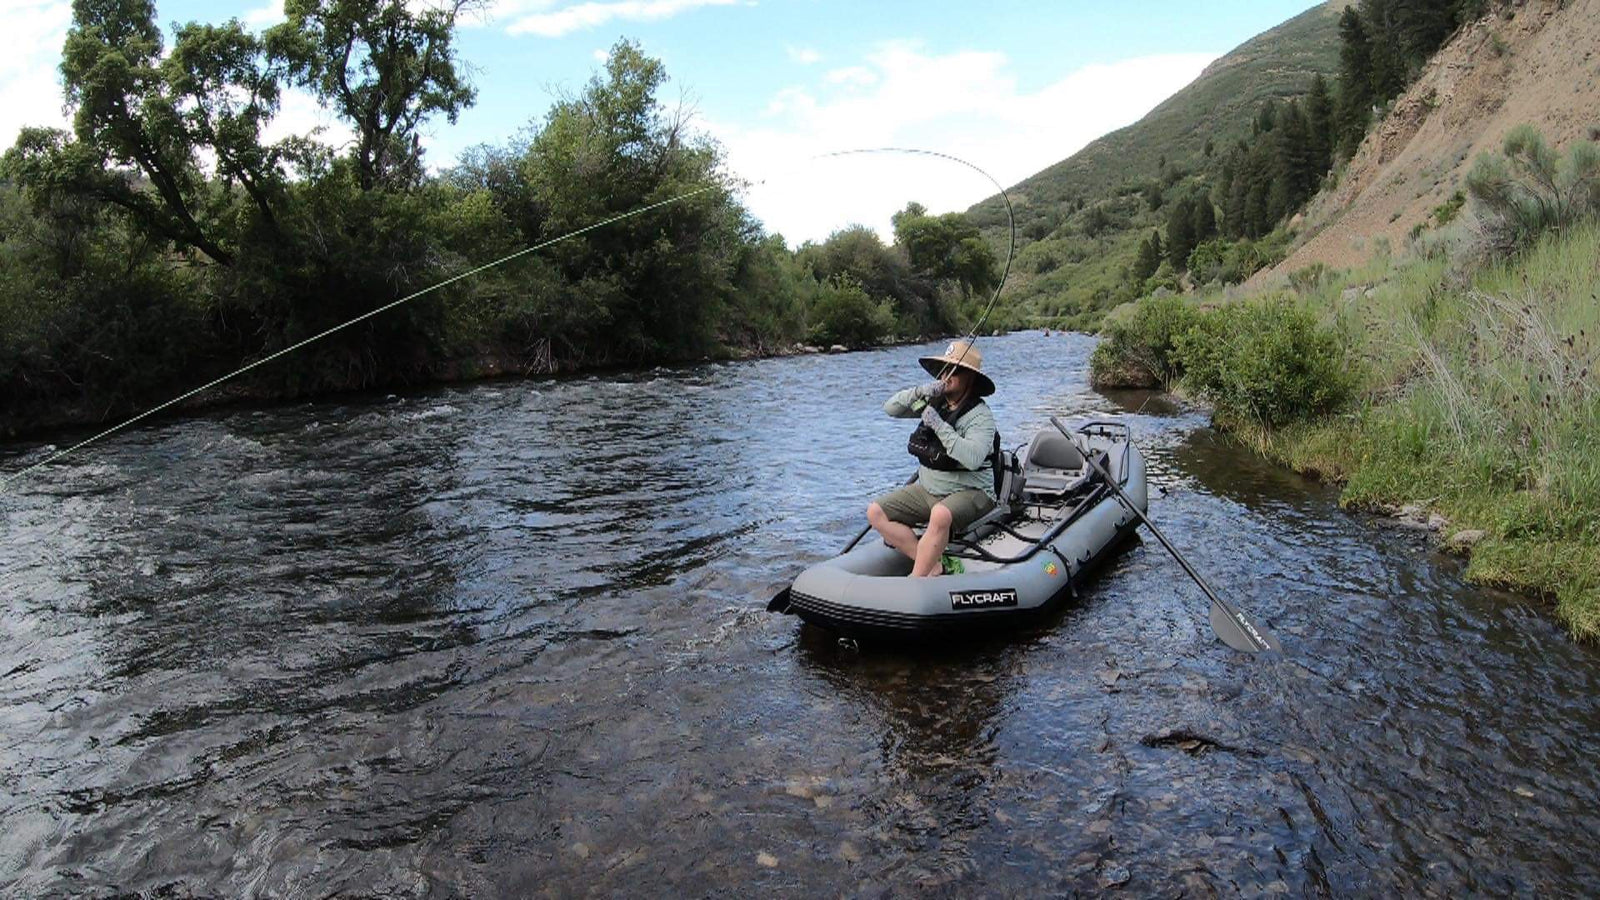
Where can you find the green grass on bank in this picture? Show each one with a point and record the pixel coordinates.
(1470, 391)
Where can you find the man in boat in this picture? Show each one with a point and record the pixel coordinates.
(955, 484)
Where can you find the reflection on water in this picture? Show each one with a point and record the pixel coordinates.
(508, 639)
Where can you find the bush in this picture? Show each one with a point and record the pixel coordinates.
(1309, 278)
(1139, 339)
(1531, 189)
(843, 313)
(1265, 363)
(1231, 262)
(1446, 212)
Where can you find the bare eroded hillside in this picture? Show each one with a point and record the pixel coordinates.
(1536, 62)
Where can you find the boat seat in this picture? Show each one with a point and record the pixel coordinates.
(1052, 467)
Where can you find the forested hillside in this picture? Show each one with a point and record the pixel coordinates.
(1201, 189)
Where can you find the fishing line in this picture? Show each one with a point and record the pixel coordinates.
(1011, 220)
(6, 482)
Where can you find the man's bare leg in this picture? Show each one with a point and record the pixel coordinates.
(899, 536)
(933, 542)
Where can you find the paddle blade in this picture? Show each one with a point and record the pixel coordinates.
(780, 602)
(1240, 633)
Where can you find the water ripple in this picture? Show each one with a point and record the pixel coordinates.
(502, 639)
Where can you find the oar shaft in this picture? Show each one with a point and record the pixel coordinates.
(1251, 633)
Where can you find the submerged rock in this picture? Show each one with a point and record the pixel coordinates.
(1115, 877)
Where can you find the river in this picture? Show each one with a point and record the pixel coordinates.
(510, 639)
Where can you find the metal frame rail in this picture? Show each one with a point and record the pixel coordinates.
(970, 550)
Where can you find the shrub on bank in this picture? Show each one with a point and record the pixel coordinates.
(1138, 339)
(843, 313)
(1532, 189)
(1266, 363)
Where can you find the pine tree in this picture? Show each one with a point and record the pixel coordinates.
(1294, 165)
(1355, 81)
(1266, 118)
(1389, 60)
(1258, 181)
(1180, 233)
(1205, 220)
(1319, 122)
(1355, 59)
(1149, 258)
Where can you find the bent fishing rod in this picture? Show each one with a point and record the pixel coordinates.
(1011, 221)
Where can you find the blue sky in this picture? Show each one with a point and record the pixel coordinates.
(1009, 86)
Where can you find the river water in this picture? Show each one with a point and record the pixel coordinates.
(509, 639)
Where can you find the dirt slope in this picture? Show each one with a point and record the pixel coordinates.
(1536, 62)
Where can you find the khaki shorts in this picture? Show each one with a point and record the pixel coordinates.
(912, 505)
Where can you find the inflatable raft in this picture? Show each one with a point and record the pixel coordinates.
(1055, 520)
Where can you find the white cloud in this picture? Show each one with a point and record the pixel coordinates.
(301, 114)
(580, 16)
(857, 76)
(965, 104)
(30, 86)
(803, 55)
(265, 16)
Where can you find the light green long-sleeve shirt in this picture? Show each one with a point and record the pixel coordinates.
(969, 442)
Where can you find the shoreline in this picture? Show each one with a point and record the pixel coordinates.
(481, 369)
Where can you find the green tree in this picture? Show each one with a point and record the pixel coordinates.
(613, 149)
(1149, 258)
(1320, 127)
(386, 66)
(1205, 220)
(227, 90)
(1180, 233)
(1355, 80)
(132, 148)
(1294, 164)
(856, 251)
(945, 247)
(844, 313)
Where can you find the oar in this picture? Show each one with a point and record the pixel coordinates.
(1228, 621)
(780, 601)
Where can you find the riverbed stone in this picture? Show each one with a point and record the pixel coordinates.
(1466, 538)
(1116, 876)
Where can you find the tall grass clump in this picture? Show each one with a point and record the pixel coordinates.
(1497, 423)
(1482, 390)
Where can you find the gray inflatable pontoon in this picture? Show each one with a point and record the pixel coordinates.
(1055, 521)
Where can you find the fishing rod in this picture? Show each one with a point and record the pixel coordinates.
(8, 481)
(1011, 220)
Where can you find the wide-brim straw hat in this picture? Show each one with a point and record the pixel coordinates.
(962, 355)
